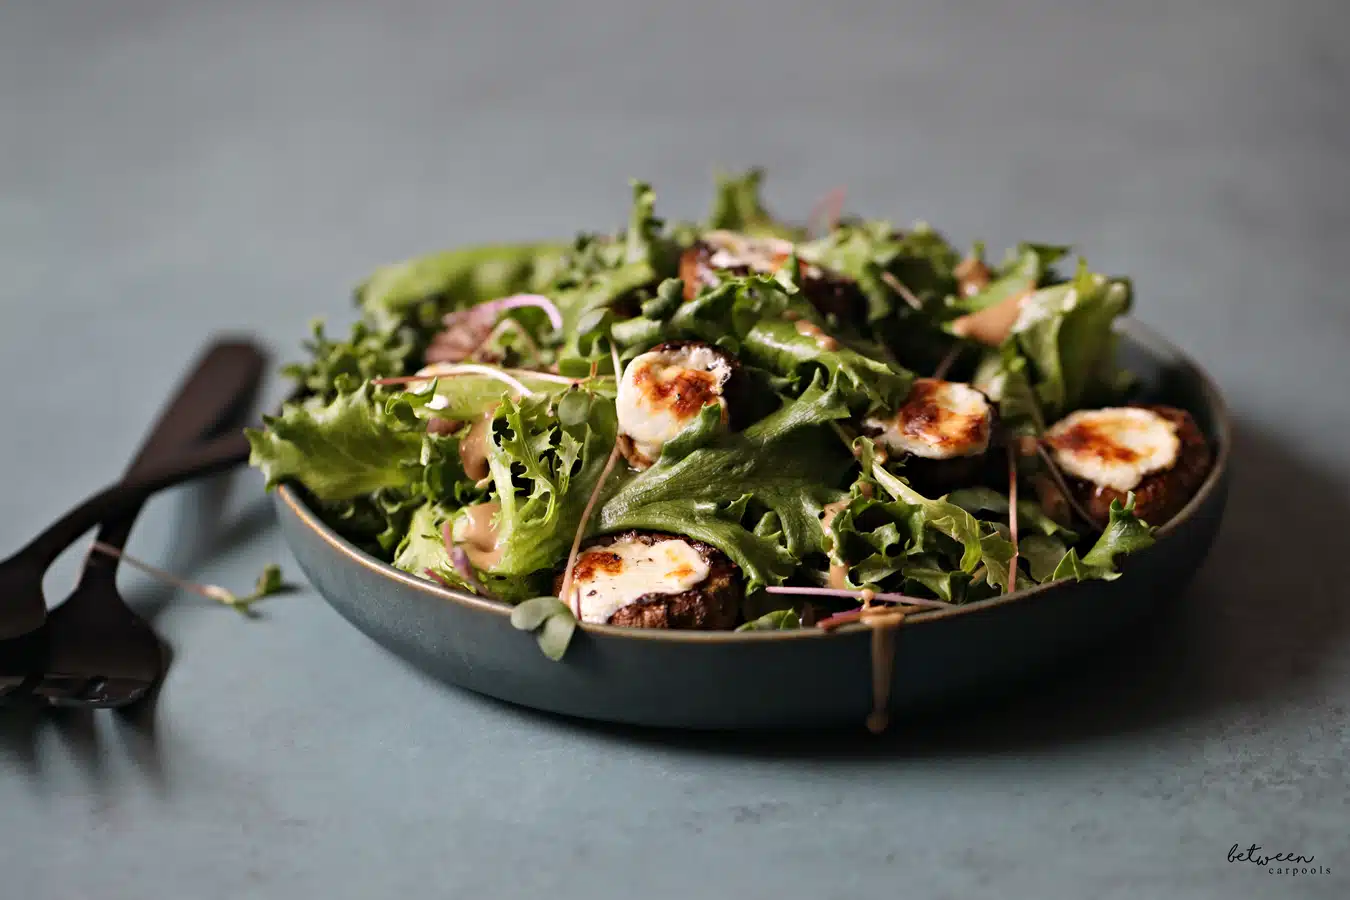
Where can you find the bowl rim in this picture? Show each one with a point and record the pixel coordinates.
(1131, 328)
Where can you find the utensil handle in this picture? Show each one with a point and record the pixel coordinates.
(221, 385)
(210, 458)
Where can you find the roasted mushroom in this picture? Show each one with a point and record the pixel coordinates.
(1157, 452)
(943, 429)
(647, 579)
(730, 251)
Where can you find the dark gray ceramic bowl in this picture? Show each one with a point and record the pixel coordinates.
(787, 678)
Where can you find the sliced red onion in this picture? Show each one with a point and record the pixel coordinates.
(538, 300)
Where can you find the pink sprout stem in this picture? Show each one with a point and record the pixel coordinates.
(899, 287)
(858, 595)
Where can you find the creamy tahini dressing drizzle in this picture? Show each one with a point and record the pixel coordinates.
(884, 624)
(992, 325)
(476, 532)
(883, 621)
(473, 448)
(838, 571)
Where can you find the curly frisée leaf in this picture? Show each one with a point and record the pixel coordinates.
(423, 547)
(367, 353)
(543, 474)
(943, 517)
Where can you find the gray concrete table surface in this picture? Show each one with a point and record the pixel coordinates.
(172, 170)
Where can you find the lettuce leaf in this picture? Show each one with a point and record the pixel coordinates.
(1042, 553)
(978, 543)
(737, 206)
(976, 500)
(922, 259)
(787, 463)
(759, 315)
(1023, 271)
(778, 620)
(945, 518)
(423, 547)
(867, 385)
(419, 291)
(543, 473)
(1125, 533)
(339, 449)
(874, 539)
(468, 397)
(376, 523)
(1065, 331)
(604, 277)
(1002, 376)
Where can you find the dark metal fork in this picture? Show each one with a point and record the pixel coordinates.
(94, 651)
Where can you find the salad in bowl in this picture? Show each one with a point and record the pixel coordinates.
(734, 424)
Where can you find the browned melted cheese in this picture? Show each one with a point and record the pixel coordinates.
(1114, 447)
(662, 392)
(938, 420)
(609, 578)
(683, 394)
